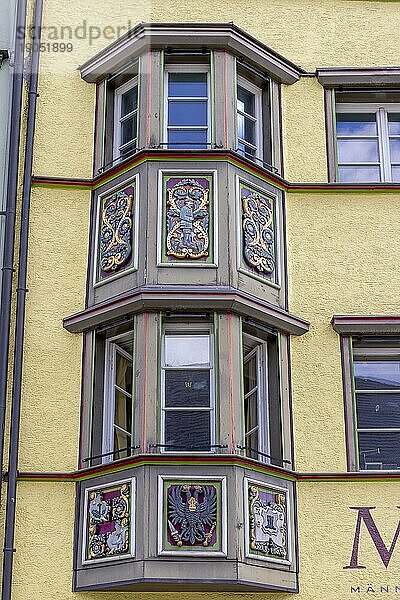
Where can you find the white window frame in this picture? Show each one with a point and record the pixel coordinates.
(189, 330)
(257, 92)
(261, 353)
(385, 352)
(117, 147)
(186, 68)
(381, 110)
(109, 393)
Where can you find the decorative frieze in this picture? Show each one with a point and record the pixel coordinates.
(192, 516)
(187, 215)
(117, 232)
(267, 522)
(257, 232)
(109, 514)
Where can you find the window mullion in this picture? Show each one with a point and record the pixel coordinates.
(384, 148)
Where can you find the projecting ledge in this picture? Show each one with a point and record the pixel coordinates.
(366, 324)
(218, 298)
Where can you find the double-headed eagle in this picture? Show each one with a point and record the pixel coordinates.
(192, 514)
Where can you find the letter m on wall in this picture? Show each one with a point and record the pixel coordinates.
(385, 553)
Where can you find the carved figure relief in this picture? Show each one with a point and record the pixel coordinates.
(192, 516)
(258, 244)
(116, 231)
(108, 522)
(267, 522)
(187, 218)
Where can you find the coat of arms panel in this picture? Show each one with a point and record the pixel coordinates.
(116, 232)
(267, 522)
(109, 514)
(187, 219)
(192, 516)
(258, 244)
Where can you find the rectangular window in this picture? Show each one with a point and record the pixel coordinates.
(261, 398)
(126, 119)
(187, 106)
(187, 390)
(368, 141)
(376, 367)
(249, 122)
(112, 413)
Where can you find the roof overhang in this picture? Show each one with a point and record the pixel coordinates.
(189, 298)
(366, 324)
(358, 77)
(226, 36)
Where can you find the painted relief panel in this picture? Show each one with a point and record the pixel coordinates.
(109, 514)
(116, 244)
(187, 206)
(257, 233)
(267, 522)
(192, 516)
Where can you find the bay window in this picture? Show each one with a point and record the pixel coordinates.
(261, 397)
(187, 106)
(126, 118)
(187, 383)
(249, 126)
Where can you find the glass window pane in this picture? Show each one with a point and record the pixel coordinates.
(246, 101)
(129, 101)
(187, 113)
(356, 124)
(250, 374)
(394, 123)
(187, 85)
(377, 375)
(351, 151)
(252, 446)
(189, 388)
(187, 350)
(128, 129)
(246, 150)
(123, 411)
(396, 174)
(379, 450)
(378, 411)
(251, 411)
(394, 150)
(188, 138)
(121, 440)
(123, 373)
(359, 174)
(188, 430)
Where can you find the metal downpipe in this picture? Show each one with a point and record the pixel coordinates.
(20, 312)
(10, 212)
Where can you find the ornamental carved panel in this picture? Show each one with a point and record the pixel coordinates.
(116, 232)
(192, 516)
(267, 522)
(187, 226)
(258, 247)
(109, 514)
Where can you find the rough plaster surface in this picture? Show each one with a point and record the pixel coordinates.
(342, 250)
(306, 32)
(52, 359)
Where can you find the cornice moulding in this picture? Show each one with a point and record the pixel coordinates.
(223, 36)
(189, 297)
(366, 324)
(358, 77)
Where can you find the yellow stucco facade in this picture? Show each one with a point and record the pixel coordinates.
(342, 252)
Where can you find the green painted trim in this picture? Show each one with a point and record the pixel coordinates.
(353, 393)
(212, 95)
(334, 140)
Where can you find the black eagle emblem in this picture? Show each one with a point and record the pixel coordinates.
(194, 510)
